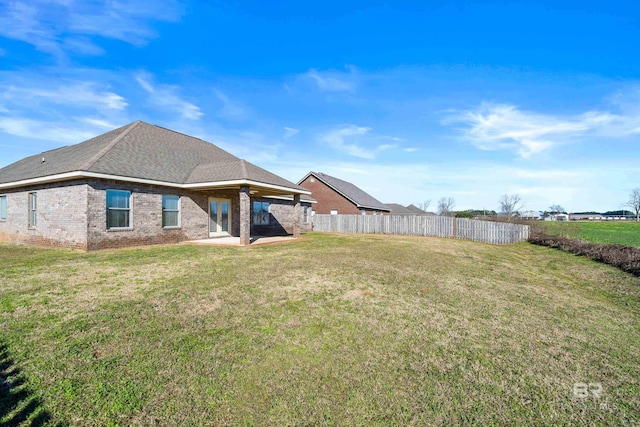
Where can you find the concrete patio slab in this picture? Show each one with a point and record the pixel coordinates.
(235, 241)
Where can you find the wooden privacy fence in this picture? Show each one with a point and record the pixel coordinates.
(417, 225)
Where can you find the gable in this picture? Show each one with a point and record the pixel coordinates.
(349, 191)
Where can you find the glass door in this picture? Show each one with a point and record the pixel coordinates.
(219, 217)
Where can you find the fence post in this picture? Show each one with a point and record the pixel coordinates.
(455, 228)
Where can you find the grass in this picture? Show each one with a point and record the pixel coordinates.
(624, 233)
(330, 330)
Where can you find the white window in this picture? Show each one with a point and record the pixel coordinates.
(118, 209)
(334, 212)
(170, 211)
(363, 212)
(261, 213)
(33, 204)
(3, 208)
(305, 214)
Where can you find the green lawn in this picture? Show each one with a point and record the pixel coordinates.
(329, 330)
(624, 233)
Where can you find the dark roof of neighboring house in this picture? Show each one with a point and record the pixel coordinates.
(397, 209)
(144, 151)
(417, 210)
(359, 197)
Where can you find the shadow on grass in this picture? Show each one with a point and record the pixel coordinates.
(18, 405)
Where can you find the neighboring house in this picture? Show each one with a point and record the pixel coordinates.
(530, 215)
(586, 216)
(397, 209)
(143, 184)
(557, 217)
(335, 196)
(418, 211)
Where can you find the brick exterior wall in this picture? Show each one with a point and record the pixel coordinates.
(280, 217)
(329, 199)
(61, 215)
(73, 214)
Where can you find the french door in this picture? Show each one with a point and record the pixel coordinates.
(219, 217)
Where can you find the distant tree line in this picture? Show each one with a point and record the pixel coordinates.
(511, 204)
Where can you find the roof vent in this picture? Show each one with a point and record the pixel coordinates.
(42, 160)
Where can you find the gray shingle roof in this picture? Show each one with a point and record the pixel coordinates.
(397, 209)
(350, 191)
(419, 211)
(144, 151)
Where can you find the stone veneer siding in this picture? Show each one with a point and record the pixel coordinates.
(72, 214)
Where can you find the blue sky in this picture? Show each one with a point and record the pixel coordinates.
(411, 101)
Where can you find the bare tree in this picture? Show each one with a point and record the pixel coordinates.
(634, 202)
(445, 204)
(424, 205)
(510, 204)
(556, 209)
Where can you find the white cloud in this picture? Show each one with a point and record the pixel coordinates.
(502, 126)
(354, 141)
(337, 139)
(58, 111)
(97, 122)
(59, 26)
(74, 93)
(289, 132)
(144, 84)
(82, 45)
(331, 81)
(230, 109)
(44, 130)
(505, 127)
(165, 97)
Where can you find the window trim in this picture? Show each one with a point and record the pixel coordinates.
(3, 207)
(130, 210)
(179, 211)
(33, 209)
(268, 210)
(305, 214)
(333, 212)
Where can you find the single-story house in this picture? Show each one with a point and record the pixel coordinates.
(143, 184)
(588, 216)
(398, 209)
(335, 196)
(530, 215)
(557, 217)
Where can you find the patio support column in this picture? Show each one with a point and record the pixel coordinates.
(245, 216)
(296, 216)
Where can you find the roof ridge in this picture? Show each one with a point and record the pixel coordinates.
(92, 161)
(243, 168)
(175, 131)
(322, 177)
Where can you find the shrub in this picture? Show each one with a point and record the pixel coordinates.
(626, 258)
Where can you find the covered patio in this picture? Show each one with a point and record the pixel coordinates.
(247, 191)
